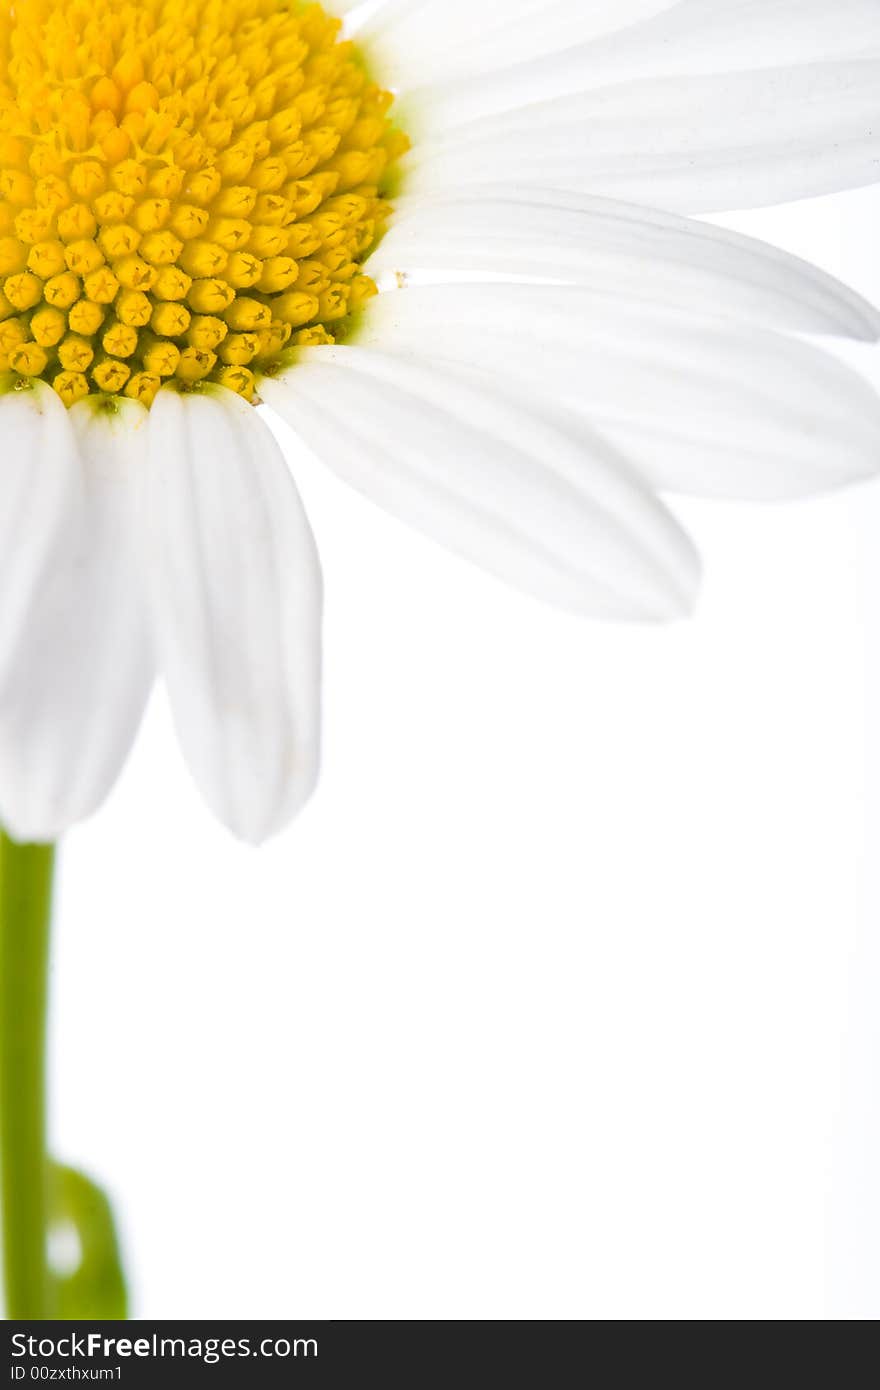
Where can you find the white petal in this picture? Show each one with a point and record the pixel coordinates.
(504, 486)
(39, 488)
(72, 698)
(686, 39)
(415, 41)
(235, 585)
(693, 144)
(699, 405)
(619, 248)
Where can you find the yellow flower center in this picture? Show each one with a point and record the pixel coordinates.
(186, 186)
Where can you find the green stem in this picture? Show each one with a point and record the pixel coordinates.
(25, 900)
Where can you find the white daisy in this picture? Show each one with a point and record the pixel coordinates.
(193, 196)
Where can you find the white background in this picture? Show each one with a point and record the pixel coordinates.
(556, 1001)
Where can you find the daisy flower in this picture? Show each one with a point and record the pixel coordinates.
(199, 200)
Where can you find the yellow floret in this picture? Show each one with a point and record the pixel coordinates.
(183, 187)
